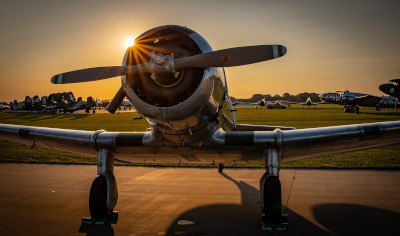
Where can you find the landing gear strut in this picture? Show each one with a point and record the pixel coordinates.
(103, 193)
(271, 195)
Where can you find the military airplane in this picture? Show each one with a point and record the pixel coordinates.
(32, 104)
(392, 88)
(177, 82)
(17, 106)
(89, 105)
(4, 107)
(262, 103)
(352, 99)
(330, 97)
(308, 103)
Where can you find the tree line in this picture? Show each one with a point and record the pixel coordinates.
(301, 97)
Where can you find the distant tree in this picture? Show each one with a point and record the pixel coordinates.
(277, 97)
(256, 97)
(301, 97)
(268, 97)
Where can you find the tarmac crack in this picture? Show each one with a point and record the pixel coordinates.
(12, 203)
(290, 190)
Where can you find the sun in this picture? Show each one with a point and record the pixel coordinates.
(129, 42)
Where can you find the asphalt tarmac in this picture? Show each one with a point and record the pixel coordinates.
(39, 199)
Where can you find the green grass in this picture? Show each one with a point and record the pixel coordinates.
(387, 157)
(325, 115)
(15, 152)
(109, 122)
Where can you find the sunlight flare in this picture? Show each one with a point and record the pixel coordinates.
(129, 42)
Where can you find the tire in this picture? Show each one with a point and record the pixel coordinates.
(220, 168)
(273, 200)
(98, 199)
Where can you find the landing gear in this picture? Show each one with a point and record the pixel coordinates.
(272, 199)
(98, 199)
(220, 168)
(271, 195)
(103, 193)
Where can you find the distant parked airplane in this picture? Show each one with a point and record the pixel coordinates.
(351, 98)
(308, 102)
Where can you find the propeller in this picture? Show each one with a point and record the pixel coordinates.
(160, 63)
(97, 73)
(116, 101)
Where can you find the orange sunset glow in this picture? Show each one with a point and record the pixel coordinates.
(331, 45)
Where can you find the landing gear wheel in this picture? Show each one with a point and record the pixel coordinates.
(272, 200)
(98, 199)
(220, 168)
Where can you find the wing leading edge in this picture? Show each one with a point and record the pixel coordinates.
(247, 146)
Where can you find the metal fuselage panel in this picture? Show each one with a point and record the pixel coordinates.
(181, 108)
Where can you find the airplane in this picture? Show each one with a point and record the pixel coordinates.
(4, 107)
(17, 106)
(388, 102)
(352, 99)
(330, 97)
(175, 80)
(392, 88)
(126, 104)
(56, 102)
(71, 107)
(308, 102)
(28, 103)
(263, 103)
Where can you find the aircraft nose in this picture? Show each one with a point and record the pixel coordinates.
(385, 88)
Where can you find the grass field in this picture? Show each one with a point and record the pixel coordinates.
(325, 115)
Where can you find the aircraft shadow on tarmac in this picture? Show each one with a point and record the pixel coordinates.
(95, 230)
(234, 219)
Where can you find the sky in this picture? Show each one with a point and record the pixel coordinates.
(332, 45)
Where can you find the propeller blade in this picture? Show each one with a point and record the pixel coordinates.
(160, 63)
(116, 101)
(232, 57)
(98, 73)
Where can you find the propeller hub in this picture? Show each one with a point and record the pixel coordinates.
(161, 63)
(163, 70)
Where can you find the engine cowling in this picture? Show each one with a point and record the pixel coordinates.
(174, 103)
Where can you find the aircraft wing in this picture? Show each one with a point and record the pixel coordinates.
(77, 141)
(248, 127)
(367, 100)
(222, 146)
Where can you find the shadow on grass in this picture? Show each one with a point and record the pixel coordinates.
(382, 113)
(31, 116)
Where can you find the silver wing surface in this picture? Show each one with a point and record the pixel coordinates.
(367, 100)
(221, 147)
